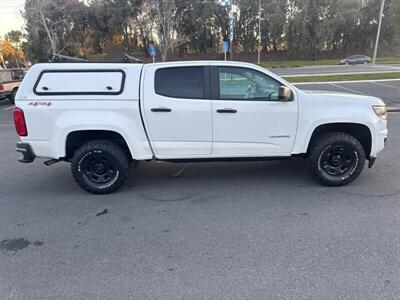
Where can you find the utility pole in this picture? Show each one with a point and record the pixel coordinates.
(259, 32)
(232, 9)
(231, 25)
(378, 33)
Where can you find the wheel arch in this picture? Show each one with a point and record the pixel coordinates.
(360, 131)
(77, 138)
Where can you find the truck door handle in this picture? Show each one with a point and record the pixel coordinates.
(227, 111)
(161, 109)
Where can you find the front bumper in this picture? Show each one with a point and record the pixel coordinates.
(371, 162)
(372, 159)
(27, 154)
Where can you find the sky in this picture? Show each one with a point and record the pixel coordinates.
(10, 15)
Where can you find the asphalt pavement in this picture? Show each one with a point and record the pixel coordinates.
(259, 230)
(318, 70)
(388, 90)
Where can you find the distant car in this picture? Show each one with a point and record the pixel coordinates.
(355, 59)
(9, 82)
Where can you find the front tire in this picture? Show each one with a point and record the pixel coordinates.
(335, 159)
(100, 167)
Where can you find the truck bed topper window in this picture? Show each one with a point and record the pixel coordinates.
(80, 82)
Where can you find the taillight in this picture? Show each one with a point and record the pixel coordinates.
(19, 122)
(1, 87)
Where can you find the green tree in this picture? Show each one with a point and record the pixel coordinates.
(305, 28)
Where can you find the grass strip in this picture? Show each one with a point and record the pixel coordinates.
(344, 77)
(321, 62)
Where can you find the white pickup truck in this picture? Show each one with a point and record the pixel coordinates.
(105, 117)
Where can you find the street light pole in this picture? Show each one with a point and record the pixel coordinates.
(231, 28)
(259, 32)
(378, 33)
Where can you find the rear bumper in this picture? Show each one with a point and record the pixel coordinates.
(3, 95)
(27, 154)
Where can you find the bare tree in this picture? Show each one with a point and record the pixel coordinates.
(43, 9)
(165, 18)
(143, 25)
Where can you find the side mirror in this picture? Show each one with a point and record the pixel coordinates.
(285, 93)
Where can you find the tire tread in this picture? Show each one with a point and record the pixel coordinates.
(320, 143)
(112, 149)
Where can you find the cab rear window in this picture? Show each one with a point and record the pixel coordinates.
(80, 82)
(180, 82)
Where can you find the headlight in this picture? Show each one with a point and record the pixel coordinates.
(380, 111)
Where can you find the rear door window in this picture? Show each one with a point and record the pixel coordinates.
(180, 82)
(80, 82)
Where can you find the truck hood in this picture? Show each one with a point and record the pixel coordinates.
(343, 97)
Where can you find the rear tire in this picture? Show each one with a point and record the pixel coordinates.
(11, 98)
(100, 167)
(335, 159)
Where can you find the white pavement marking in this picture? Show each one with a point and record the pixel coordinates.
(348, 89)
(8, 108)
(387, 85)
(344, 81)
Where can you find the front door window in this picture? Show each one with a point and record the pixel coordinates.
(237, 83)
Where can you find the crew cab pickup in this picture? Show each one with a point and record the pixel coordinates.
(103, 118)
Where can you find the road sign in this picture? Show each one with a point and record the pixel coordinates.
(224, 2)
(226, 46)
(152, 50)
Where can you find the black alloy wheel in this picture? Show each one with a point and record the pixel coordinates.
(338, 160)
(100, 166)
(335, 158)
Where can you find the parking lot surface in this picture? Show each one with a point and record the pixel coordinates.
(259, 230)
(388, 90)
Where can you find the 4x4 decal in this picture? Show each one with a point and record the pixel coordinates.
(40, 103)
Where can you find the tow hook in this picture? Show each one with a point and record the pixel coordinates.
(51, 162)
